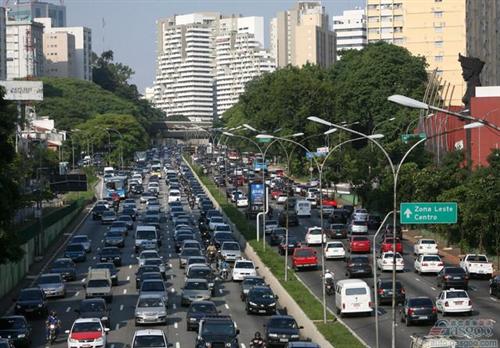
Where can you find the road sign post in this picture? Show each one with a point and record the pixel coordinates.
(415, 213)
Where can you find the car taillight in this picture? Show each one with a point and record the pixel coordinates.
(410, 311)
(470, 303)
(343, 305)
(446, 304)
(350, 265)
(434, 309)
(440, 264)
(425, 264)
(380, 291)
(370, 304)
(447, 277)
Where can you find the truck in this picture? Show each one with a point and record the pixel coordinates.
(477, 265)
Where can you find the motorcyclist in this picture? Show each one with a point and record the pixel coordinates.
(52, 320)
(211, 251)
(257, 341)
(222, 265)
(329, 276)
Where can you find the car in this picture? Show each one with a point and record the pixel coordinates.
(302, 344)
(282, 198)
(338, 216)
(84, 240)
(156, 262)
(221, 237)
(94, 308)
(196, 260)
(197, 311)
(452, 277)
(243, 268)
(191, 243)
(154, 287)
(114, 238)
(359, 244)
(119, 226)
(85, 329)
(52, 285)
(270, 225)
(132, 213)
(128, 220)
(384, 291)
(315, 235)
(336, 231)
(65, 267)
(425, 246)
(276, 235)
(454, 301)
(358, 266)
(293, 243)
(98, 210)
(113, 271)
(31, 301)
(281, 329)
(360, 214)
(494, 287)
(261, 300)
(186, 253)
(389, 231)
(195, 289)
(242, 201)
(425, 263)
(374, 221)
(108, 217)
(387, 245)
(334, 250)
(150, 309)
(142, 270)
(147, 254)
(293, 219)
(150, 338)
(202, 271)
(75, 252)
(15, 328)
(386, 262)
(417, 310)
(248, 283)
(230, 251)
(358, 227)
(304, 257)
(217, 331)
(111, 254)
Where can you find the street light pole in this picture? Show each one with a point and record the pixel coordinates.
(121, 144)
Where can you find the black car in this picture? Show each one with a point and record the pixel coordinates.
(281, 329)
(358, 266)
(389, 231)
(276, 235)
(16, 329)
(221, 237)
(76, 252)
(111, 254)
(293, 243)
(217, 331)
(261, 300)
(197, 311)
(418, 309)
(384, 291)
(142, 270)
(181, 238)
(113, 271)
(495, 286)
(94, 308)
(98, 210)
(31, 301)
(453, 277)
(136, 189)
(65, 267)
(293, 219)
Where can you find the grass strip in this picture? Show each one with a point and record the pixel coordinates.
(336, 333)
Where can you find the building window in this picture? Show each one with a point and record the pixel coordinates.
(438, 44)
(438, 14)
(438, 58)
(438, 29)
(438, 0)
(398, 29)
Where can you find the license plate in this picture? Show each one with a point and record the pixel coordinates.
(29, 310)
(459, 302)
(283, 339)
(423, 317)
(262, 311)
(356, 305)
(456, 277)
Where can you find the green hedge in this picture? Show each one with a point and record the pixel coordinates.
(336, 333)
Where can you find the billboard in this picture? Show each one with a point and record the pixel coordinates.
(23, 90)
(256, 193)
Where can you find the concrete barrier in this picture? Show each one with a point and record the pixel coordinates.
(285, 300)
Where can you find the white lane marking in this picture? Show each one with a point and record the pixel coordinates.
(128, 278)
(176, 326)
(433, 288)
(170, 265)
(493, 299)
(169, 255)
(174, 306)
(83, 280)
(226, 305)
(177, 345)
(124, 291)
(121, 307)
(243, 345)
(68, 309)
(77, 293)
(117, 326)
(417, 279)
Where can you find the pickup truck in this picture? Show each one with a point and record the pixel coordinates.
(304, 257)
(477, 265)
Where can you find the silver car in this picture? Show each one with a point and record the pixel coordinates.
(52, 285)
(156, 262)
(230, 251)
(147, 254)
(186, 253)
(150, 309)
(83, 240)
(154, 287)
(195, 290)
(108, 217)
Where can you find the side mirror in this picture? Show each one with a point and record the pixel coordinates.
(106, 329)
(237, 331)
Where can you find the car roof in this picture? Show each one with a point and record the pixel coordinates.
(196, 280)
(87, 320)
(149, 332)
(155, 296)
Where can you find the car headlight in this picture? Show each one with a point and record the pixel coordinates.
(71, 340)
(21, 336)
(273, 335)
(192, 319)
(295, 336)
(229, 344)
(208, 344)
(252, 303)
(272, 304)
(40, 305)
(18, 306)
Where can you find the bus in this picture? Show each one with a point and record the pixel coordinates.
(259, 164)
(117, 184)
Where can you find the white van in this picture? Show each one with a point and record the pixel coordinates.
(174, 196)
(303, 208)
(109, 170)
(145, 234)
(353, 296)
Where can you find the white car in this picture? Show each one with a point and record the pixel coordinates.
(385, 262)
(242, 269)
(87, 332)
(149, 338)
(358, 227)
(242, 202)
(425, 246)
(174, 196)
(334, 250)
(454, 301)
(428, 264)
(281, 199)
(313, 235)
(215, 220)
(147, 254)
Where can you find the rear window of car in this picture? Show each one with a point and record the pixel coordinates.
(420, 302)
(359, 239)
(304, 253)
(456, 294)
(355, 291)
(454, 270)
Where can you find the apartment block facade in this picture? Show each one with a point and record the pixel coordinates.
(302, 35)
(60, 55)
(350, 30)
(3, 45)
(434, 29)
(24, 46)
(28, 10)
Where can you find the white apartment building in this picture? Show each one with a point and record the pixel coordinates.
(350, 28)
(24, 42)
(59, 52)
(3, 45)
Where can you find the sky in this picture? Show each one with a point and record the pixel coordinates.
(128, 26)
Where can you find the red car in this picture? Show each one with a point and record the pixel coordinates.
(359, 244)
(387, 245)
(276, 193)
(304, 257)
(329, 202)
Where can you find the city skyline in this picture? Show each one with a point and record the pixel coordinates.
(138, 48)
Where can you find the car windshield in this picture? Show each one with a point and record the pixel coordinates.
(215, 219)
(261, 293)
(223, 235)
(149, 255)
(62, 263)
(114, 234)
(335, 245)
(456, 294)
(91, 306)
(271, 223)
(199, 272)
(222, 228)
(420, 302)
(12, 323)
(253, 281)
(304, 253)
(282, 323)
(75, 247)
(119, 224)
(86, 327)
(454, 270)
(191, 252)
(336, 226)
(388, 285)
(97, 283)
(203, 308)
(391, 255)
(148, 268)
(30, 295)
(108, 213)
(355, 291)
(153, 262)
(243, 265)
(153, 286)
(427, 241)
(196, 286)
(359, 259)
(360, 239)
(145, 235)
(49, 279)
(230, 246)
(82, 239)
(359, 223)
(477, 258)
(150, 302)
(222, 328)
(109, 251)
(149, 341)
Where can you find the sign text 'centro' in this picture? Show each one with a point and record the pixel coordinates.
(428, 213)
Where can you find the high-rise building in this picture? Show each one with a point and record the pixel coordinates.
(3, 45)
(483, 37)
(28, 10)
(24, 41)
(434, 29)
(59, 53)
(350, 30)
(240, 57)
(302, 35)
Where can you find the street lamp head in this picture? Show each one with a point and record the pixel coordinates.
(407, 101)
(296, 135)
(391, 119)
(320, 120)
(265, 136)
(247, 126)
(330, 131)
(228, 134)
(474, 125)
(376, 136)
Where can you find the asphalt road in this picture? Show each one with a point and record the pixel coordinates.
(125, 295)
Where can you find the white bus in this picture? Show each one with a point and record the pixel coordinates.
(303, 208)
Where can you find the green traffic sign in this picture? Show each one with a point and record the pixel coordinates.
(405, 138)
(428, 213)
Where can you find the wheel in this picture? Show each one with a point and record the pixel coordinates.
(470, 313)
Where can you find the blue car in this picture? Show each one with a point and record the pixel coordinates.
(197, 311)
(76, 252)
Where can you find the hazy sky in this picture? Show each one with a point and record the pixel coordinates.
(128, 26)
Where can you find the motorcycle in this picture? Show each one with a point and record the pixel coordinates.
(329, 286)
(52, 333)
(224, 273)
(258, 343)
